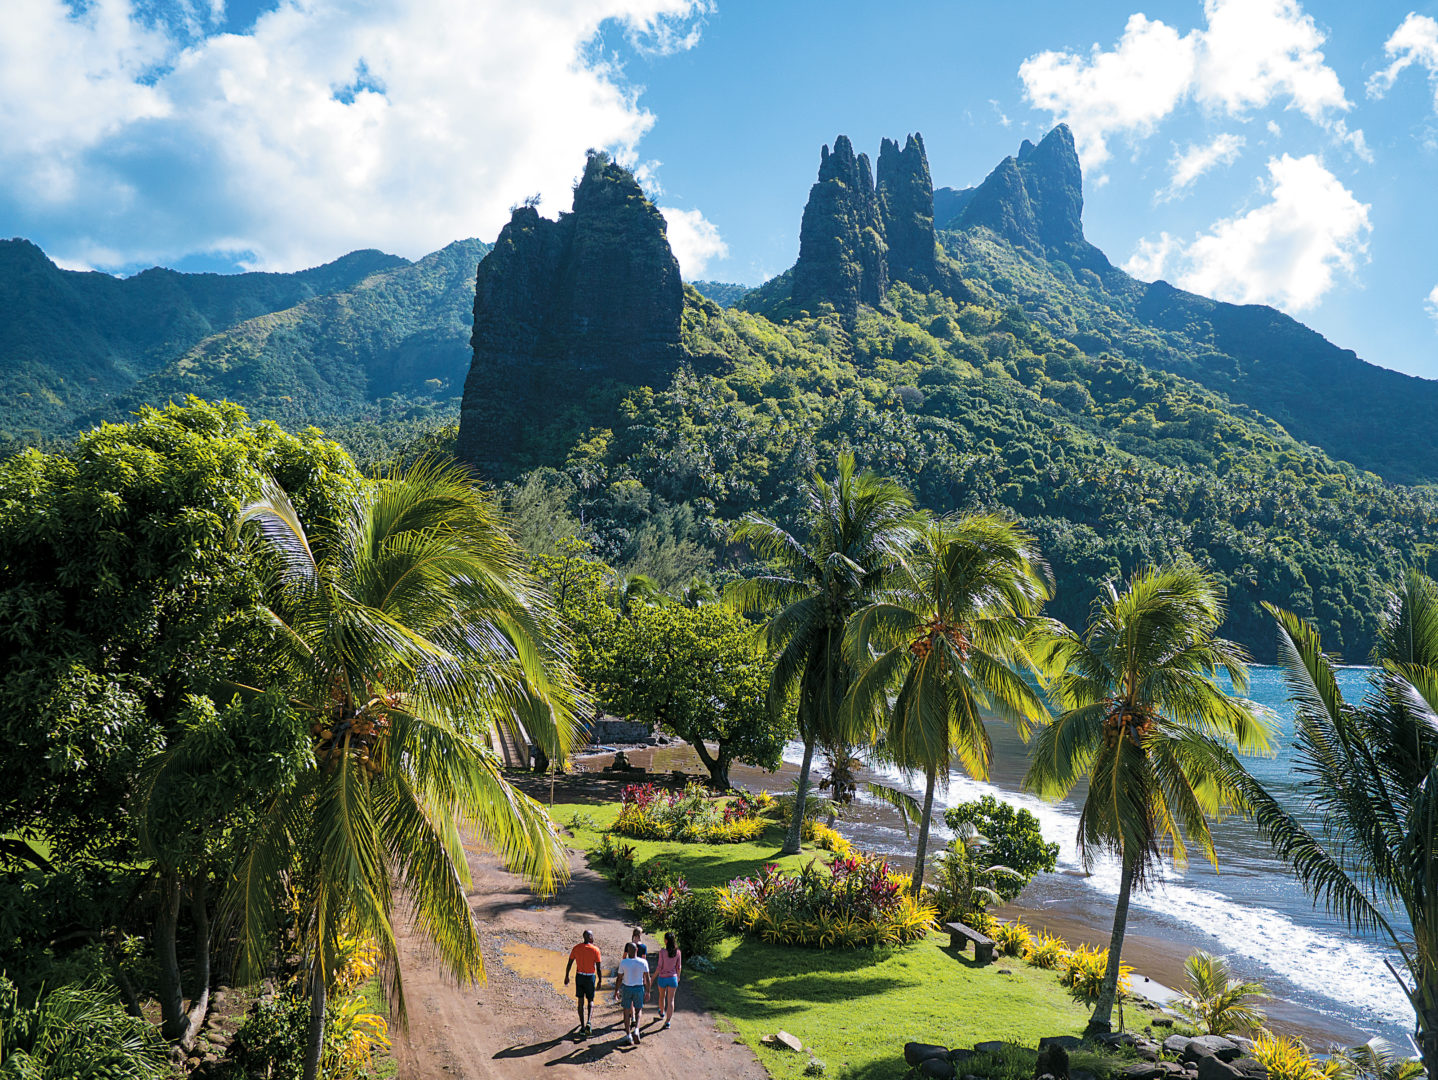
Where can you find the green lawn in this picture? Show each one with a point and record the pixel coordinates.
(854, 1008)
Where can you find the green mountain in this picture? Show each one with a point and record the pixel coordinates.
(913, 346)
(71, 341)
(1020, 233)
(393, 343)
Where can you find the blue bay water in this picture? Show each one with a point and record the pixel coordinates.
(1250, 911)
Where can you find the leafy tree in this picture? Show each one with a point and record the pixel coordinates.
(699, 673)
(1218, 1003)
(1014, 837)
(411, 632)
(119, 600)
(576, 583)
(859, 527)
(1371, 772)
(1147, 724)
(944, 641)
(197, 800)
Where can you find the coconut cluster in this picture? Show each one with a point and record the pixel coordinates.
(923, 645)
(358, 733)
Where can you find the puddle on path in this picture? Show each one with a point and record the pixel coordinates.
(536, 963)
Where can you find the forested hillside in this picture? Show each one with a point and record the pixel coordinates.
(395, 344)
(948, 384)
(367, 336)
(71, 341)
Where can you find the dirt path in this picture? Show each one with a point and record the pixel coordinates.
(520, 1024)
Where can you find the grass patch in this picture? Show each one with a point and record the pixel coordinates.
(853, 1008)
(703, 865)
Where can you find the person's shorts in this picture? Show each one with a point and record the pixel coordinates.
(633, 997)
(584, 986)
(668, 980)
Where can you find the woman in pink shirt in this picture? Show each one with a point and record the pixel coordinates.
(666, 977)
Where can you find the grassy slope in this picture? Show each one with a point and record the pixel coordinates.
(853, 1008)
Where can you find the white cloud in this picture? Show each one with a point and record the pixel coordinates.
(1249, 55)
(1128, 89)
(694, 239)
(1188, 165)
(1430, 303)
(1150, 259)
(331, 124)
(1285, 252)
(1414, 42)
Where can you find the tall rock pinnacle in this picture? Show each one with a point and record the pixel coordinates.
(561, 306)
(1034, 201)
(841, 243)
(906, 202)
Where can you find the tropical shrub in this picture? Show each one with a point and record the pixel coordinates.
(76, 1032)
(1084, 968)
(691, 816)
(649, 876)
(698, 923)
(1215, 1002)
(1047, 951)
(825, 838)
(614, 855)
(656, 907)
(1014, 841)
(856, 901)
(965, 883)
(1290, 1059)
(1012, 938)
(271, 1041)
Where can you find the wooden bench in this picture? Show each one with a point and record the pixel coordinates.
(960, 935)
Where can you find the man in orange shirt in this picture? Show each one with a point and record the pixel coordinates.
(584, 956)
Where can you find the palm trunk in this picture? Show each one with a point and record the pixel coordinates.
(200, 1003)
(922, 852)
(173, 1021)
(792, 842)
(315, 1040)
(1102, 1019)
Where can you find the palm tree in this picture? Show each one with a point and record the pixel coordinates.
(407, 632)
(1146, 722)
(1372, 785)
(945, 642)
(1217, 1002)
(859, 529)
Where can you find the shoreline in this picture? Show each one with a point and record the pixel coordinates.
(1157, 960)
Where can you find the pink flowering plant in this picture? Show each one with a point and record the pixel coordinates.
(691, 815)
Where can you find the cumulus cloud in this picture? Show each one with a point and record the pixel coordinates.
(694, 239)
(1127, 89)
(1430, 303)
(400, 124)
(1286, 251)
(1414, 42)
(1188, 165)
(1248, 55)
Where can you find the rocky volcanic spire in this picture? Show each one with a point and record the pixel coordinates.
(560, 305)
(1035, 201)
(906, 202)
(841, 243)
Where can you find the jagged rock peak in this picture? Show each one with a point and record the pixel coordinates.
(841, 242)
(1035, 200)
(594, 295)
(906, 202)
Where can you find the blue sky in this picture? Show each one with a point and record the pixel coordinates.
(1257, 150)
